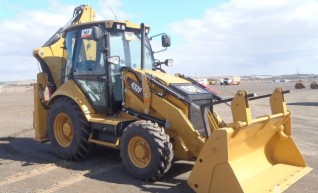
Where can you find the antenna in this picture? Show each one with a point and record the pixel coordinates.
(112, 12)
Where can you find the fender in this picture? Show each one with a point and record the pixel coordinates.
(72, 90)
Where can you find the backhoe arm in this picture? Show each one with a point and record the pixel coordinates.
(51, 55)
(81, 14)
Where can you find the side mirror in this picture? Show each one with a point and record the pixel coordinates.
(114, 60)
(165, 40)
(97, 33)
(169, 62)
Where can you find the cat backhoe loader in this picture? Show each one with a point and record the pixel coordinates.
(100, 84)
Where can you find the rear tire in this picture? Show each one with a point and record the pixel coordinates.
(68, 130)
(146, 150)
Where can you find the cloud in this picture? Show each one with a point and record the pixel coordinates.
(237, 37)
(24, 32)
(17, 68)
(28, 29)
(248, 37)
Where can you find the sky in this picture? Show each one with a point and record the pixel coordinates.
(209, 37)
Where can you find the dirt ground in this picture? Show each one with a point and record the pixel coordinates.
(29, 166)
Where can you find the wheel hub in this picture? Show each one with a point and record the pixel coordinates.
(63, 130)
(66, 129)
(139, 152)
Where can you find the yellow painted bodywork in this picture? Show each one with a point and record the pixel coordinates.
(170, 79)
(128, 24)
(71, 90)
(187, 141)
(167, 78)
(54, 58)
(88, 15)
(40, 114)
(250, 155)
(103, 119)
(40, 111)
(105, 143)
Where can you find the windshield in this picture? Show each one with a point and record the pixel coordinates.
(127, 45)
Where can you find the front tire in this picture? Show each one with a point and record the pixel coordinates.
(146, 150)
(68, 130)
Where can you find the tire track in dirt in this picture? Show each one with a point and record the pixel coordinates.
(28, 174)
(6, 145)
(15, 134)
(46, 168)
(77, 178)
(62, 184)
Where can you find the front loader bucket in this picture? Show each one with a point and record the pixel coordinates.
(250, 155)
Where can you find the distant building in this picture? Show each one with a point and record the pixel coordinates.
(234, 80)
(26, 83)
(203, 81)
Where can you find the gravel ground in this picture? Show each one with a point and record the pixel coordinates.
(29, 166)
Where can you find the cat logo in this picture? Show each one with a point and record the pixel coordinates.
(86, 33)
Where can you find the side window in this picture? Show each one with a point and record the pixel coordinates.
(127, 45)
(149, 62)
(135, 52)
(117, 47)
(69, 43)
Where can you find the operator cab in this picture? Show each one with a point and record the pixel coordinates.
(90, 50)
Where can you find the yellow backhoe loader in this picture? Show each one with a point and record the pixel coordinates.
(100, 84)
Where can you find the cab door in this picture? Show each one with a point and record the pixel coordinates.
(86, 65)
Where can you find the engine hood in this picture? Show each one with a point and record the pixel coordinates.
(167, 78)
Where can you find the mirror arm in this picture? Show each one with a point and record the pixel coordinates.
(157, 35)
(160, 50)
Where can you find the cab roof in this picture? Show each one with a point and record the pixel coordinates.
(110, 24)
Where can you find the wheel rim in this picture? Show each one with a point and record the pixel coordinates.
(63, 130)
(139, 152)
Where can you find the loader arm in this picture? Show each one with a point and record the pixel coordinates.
(246, 156)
